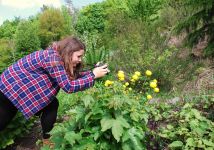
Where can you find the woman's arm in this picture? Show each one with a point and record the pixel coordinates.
(58, 73)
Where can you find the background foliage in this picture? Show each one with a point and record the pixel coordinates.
(129, 35)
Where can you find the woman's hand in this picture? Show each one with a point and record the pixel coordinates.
(101, 71)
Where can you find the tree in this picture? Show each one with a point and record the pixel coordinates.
(8, 28)
(199, 24)
(91, 18)
(68, 20)
(51, 26)
(6, 54)
(70, 7)
(26, 37)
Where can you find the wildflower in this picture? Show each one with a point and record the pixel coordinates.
(132, 80)
(155, 81)
(108, 83)
(120, 75)
(149, 97)
(156, 90)
(122, 79)
(148, 73)
(121, 72)
(135, 77)
(153, 84)
(137, 73)
(127, 84)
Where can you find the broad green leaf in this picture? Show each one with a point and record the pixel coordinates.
(88, 116)
(208, 143)
(72, 137)
(117, 129)
(126, 146)
(135, 137)
(80, 112)
(176, 144)
(135, 116)
(125, 136)
(197, 114)
(169, 126)
(199, 131)
(190, 142)
(106, 123)
(88, 100)
(123, 122)
(194, 123)
(187, 105)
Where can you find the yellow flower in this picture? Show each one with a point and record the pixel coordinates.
(148, 73)
(135, 77)
(122, 79)
(108, 82)
(120, 75)
(149, 97)
(127, 84)
(153, 84)
(155, 81)
(137, 73)
(120, 72)
(132, 80)
(130, 89)
(156, 90)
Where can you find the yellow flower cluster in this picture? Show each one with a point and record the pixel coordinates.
(121, 75)
(108, 83)
(136, 76)
(153, 84)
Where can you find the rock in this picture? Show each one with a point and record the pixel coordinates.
(174, 100)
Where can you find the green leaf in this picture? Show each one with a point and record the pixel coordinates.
(88, 116)
(135, 137)
(190, 142)
(72, 137)
(208, 143)
(106, 123)
(169, 126)
(88, 100)
(197, 114)
(126, 146)
(194, 123)
(135, 116)
(199, 131)
(176, 144)
(117, 129)
(123, 121)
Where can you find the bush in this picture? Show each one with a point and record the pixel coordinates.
(17, 128)
(26, 38)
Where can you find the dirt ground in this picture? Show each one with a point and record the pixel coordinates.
(28, 142)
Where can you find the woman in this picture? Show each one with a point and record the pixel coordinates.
(31, 84)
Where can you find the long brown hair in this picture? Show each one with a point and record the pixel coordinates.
(66, 48)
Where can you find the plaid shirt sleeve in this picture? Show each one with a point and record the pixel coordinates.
(84, 73)
(56, 70)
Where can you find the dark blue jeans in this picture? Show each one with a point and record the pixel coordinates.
(47, 115)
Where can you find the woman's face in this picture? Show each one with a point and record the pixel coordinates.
(77, 57)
